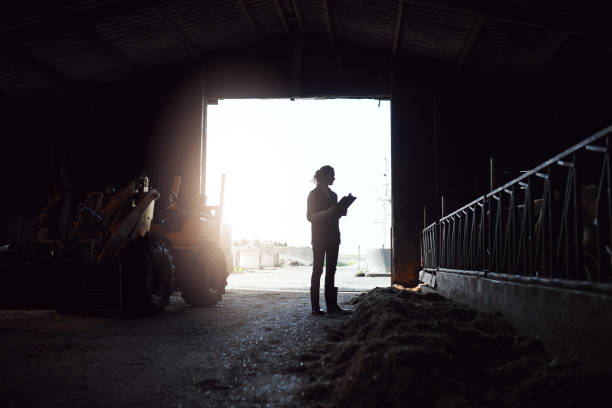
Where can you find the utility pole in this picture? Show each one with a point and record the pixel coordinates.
(386, 201)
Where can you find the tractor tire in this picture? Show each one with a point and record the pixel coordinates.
(148, 274)
(202, 281)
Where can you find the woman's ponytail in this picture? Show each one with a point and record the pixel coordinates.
(322, 172)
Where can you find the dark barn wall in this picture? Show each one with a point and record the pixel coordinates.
(445, 127)
(82, 143)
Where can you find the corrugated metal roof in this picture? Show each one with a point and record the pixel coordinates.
(73, 55)
(371, 23)
(84, 5)
(142, 34)
(142, 37)
(210, 25)
(314, 18)
(266, 18)
(510, 49)
(17, 78)
(568, 7)
(435, 32)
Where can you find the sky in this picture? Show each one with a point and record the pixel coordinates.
(269, 150)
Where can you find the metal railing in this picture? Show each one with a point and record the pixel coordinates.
(553, 223)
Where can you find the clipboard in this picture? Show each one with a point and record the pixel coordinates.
(346, 202)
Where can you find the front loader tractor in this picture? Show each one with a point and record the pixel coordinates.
(115, 258)
(200, 244)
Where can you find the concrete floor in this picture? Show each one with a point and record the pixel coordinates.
(298, 279)
(243, 351)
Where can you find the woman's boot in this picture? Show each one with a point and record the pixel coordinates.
(314, 301)
(331, 299)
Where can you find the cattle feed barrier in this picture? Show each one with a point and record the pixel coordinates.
(537, 249)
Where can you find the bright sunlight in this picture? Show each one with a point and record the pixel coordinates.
(269, 151)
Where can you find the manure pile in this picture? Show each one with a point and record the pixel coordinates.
(408, 349)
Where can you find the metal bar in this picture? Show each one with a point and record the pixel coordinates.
(521, 254)
(464, 244)
(539, 257)
(563, 235)
(527, 248)
(443, 244)
(481, 237)
(601, 149)
(578, 223)
(497, 239)
(550, 236)
(452, 260)
(543, 165)
(600, 252)
(473, 243)
(432, 248)
(529, 244)
(512, 232)
(458, 243)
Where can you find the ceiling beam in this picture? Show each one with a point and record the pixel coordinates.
(249, 16)
(398, 27)
(328, 21)
(98, 42)
(298, 16)
(75, 21)
(47, 70)
(468, 45)
(57, 14)
(548, 54)
(282, 18)
(178, 33)
(585, 23)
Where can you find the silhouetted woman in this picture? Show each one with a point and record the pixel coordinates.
(323, 214)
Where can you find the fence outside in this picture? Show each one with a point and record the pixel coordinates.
(552, 224)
